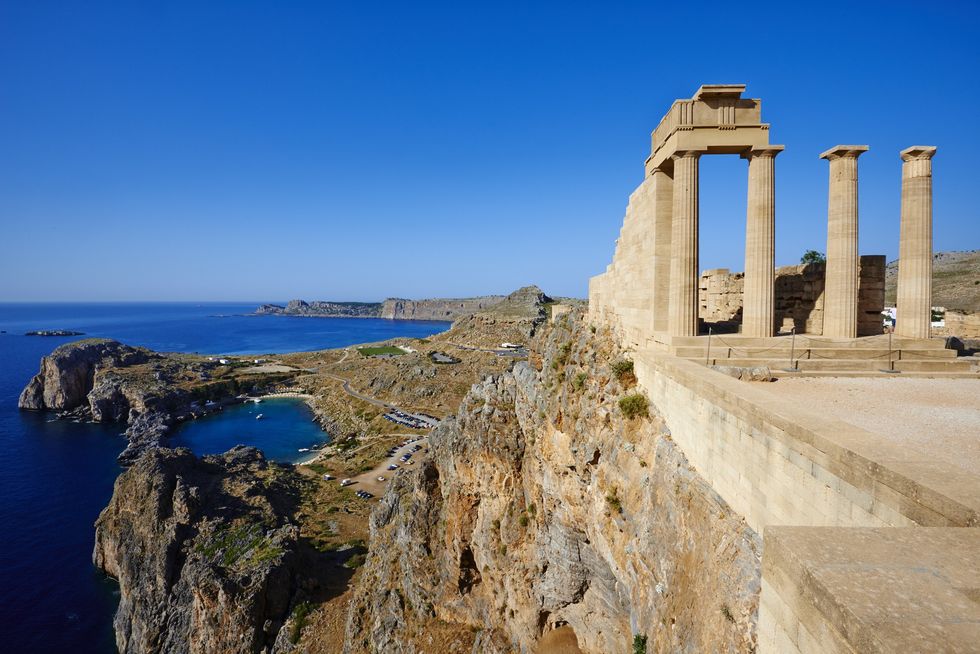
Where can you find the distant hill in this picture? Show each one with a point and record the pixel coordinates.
(955, 280)
(393, 308)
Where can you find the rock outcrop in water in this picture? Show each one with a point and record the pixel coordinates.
(204, 551)
(541, 507)
(68, 374)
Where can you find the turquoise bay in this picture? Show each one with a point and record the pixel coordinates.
(280, 427)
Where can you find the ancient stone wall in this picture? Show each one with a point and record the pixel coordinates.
(964, 325)
(799, 291)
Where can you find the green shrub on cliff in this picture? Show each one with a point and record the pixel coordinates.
(639, 644)
(300, 614)
(634, 406)
(623, 369)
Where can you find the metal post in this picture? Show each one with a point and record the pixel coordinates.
(792, 352)
(707, 352)
(891, 362)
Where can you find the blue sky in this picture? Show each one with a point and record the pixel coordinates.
(357, 150)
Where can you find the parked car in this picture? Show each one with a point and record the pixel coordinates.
(381, 478)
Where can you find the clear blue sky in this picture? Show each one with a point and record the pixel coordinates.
(356, 150)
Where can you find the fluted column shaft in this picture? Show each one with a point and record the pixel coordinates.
(663, 199)
(758, 310)
(841, 282)
(683, 320)
(915, 244)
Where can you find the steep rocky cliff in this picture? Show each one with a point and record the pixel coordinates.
(204, 551)
(543, 507)
(438, 309)
(391, 309)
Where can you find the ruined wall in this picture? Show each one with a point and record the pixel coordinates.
(799, 296)
(958, 323)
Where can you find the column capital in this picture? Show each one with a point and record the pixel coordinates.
(844, 151)
(763, 151)
(692, 153)
(918, 152)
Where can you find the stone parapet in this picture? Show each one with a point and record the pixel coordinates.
(869, 591)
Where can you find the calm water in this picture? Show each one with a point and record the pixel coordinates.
(55, 477)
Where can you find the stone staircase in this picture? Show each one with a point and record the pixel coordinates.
(819, 356)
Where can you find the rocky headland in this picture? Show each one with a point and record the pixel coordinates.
(206, 553)
(391, 309)
(106, 381)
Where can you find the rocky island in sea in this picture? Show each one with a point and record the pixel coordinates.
(54, 332)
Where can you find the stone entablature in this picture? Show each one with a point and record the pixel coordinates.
(716, 120)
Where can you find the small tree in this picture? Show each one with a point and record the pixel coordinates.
(812, 256)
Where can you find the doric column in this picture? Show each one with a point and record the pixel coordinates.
(683, 319)
(758, 312)
(915, 244)
(840, 302)
(663, 199)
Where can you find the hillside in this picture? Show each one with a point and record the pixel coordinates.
(391, 309)
(955, 280)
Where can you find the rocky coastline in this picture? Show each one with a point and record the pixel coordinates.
(447, 309)
(102, 380)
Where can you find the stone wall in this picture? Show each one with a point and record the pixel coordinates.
(780, 466)
(623, 296)
(964, 325)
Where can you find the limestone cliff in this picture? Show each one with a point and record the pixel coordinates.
(438, 309)
(390, 309)
(204, 552)
(541, 506)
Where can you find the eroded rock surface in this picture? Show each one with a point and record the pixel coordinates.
(540, 507)
(204, 551)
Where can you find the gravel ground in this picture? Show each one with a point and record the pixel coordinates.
(938, 417)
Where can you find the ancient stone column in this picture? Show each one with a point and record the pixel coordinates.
(683, 320)
(663, 199)
(758, 311)
(840, 302)
(915, 244)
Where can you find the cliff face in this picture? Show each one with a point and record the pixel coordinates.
(68, 374)
(447, 309)
(391, 309)
(323, 309)
(542, 507)
(203, 550)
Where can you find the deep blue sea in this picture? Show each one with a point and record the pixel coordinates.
(55, 477)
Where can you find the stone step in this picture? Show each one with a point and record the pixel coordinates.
(803, 340)
(776, 372)
(751, 352)
(948, 365)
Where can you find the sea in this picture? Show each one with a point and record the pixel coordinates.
(56, 476)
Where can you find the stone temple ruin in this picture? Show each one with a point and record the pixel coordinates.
(868, 513)
(654, 294)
